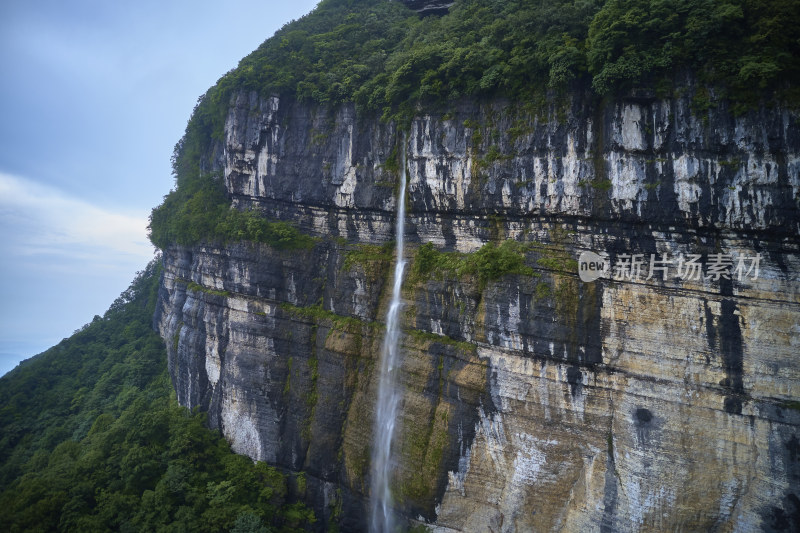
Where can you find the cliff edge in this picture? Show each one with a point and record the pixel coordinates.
(602, 304)
(533, 400)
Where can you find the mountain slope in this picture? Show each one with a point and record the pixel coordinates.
(93, 440)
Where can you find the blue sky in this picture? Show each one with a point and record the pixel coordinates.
(93, 97)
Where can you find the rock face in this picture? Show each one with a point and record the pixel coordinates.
(533, 402)
(429, 7)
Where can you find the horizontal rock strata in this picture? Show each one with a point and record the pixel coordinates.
(533, 400)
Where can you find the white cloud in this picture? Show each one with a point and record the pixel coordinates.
(36, 219)
(62, 260)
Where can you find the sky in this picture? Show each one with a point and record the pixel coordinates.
(93, 97)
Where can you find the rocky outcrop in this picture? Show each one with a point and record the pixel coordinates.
(429, 7)
(534, 400)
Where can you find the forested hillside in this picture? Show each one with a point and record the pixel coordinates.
(92, 439)
(388, 60)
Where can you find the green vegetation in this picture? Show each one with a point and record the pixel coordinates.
(92, 439)
(791, 404)
(542, 290)
(558, 261)
(369, 256)
(192, 286)
(317, 314)
(492, 155)
(739, 44)
(392, 163)
(732, 163)
(601, 185)
(425, 336)
(489, 263)
(390, 61)
(199, 211)
(300, 480)
(287, 386)
(424, 441)
(383, 56)
(563, 286)
(567, 296)
(311, 395)
(425, 437)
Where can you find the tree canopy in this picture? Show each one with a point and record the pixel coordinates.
(387, 59)
(93, 439)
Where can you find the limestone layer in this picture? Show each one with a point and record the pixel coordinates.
(533, 401)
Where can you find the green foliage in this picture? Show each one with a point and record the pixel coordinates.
(429, 261)
(492, 154)
(196, 287)
(559, 261)
(482, 48)
(491, 261)
(425, 336)
(369, 256)
(317, 314)
(387, 59)
(792, 404)
(601, 185)
(92, 439)
(392, 163)
(300, 480)
(248, 522)
(383, 56)
(199, 211)
(542, 290)
(744, 44)
(488, 263)
(311, 397)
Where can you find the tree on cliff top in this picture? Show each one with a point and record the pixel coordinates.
(387, 59)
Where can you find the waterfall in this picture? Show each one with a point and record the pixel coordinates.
(382, 517)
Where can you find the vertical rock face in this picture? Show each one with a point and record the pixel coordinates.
(429, 7)
(532, 401)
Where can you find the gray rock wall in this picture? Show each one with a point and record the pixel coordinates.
(533, 402)
(429, 7)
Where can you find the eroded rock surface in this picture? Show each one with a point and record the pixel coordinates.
(429, 7)
(532, 402)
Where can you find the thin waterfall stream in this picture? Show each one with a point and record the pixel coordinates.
(382, 516)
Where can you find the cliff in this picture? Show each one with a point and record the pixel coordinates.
(532, 400)
(429, 7)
